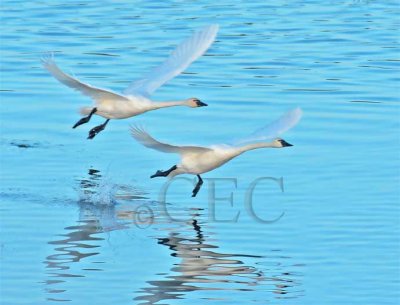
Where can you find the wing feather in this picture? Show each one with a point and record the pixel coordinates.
(97, 94)
(147, 140)
(187, 52)
(144, 138)
(274, 129)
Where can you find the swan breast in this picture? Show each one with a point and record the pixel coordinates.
(117, 109)
(204, 161)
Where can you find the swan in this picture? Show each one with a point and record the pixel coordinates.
(135, 99)
(197, 160)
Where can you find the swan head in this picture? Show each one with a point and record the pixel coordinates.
(279, 143)
(195, 102)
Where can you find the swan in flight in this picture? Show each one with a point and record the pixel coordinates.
(197, 160)
(135, 99)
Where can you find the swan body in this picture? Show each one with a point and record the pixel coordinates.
(197, 160)
(135, 105)
(202, 160)
(136, 99)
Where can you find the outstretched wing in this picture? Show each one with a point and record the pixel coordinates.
(187, 52)
(99, 95)
(274, 129)
(147, 140)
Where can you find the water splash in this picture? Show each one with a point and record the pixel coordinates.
(97, 189)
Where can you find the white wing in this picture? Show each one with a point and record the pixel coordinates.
(274, 129)
(187, 52)
(147, 140)
(99, 95)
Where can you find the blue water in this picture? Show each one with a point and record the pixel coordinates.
(82, 223)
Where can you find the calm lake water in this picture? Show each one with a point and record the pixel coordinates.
(82, 223)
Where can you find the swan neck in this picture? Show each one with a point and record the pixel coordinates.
(158, 105)
(252, 146)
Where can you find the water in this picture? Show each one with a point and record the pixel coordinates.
(82, 222)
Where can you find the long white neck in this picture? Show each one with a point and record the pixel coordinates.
(158, 105)
(252, 146)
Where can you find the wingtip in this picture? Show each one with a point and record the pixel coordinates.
(293, 116)
(210, 30)
(298, 112)
(47, 59)
(133, 129)
(214, 26)
(136, 130)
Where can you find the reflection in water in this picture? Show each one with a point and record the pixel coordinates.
(105, 207)
(98, 213)
(77, 244)
(201, 267)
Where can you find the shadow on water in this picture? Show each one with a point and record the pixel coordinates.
(106, 207)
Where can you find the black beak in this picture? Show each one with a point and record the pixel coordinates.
(285, 144)
(201, 104)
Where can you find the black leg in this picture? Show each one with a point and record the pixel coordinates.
(94, 131)
(85, 119)
(198, 186)
(164, 173)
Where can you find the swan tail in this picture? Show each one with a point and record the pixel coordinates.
(85, 110)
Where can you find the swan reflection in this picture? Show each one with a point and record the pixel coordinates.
(201, 267)
(198, 263)
(98, 213)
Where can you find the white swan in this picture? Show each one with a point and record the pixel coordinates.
(197, 160)
(136, 98)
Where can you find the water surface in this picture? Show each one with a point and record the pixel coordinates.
(81, 220)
